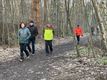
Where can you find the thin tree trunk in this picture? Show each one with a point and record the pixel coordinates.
(3, 12)
(37, 17)
(45, 11)
(69, 22)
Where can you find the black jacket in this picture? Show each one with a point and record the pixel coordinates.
(33, 30)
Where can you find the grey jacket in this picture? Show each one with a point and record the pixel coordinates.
(24, 35)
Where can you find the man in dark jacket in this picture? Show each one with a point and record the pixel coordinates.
(34, 32)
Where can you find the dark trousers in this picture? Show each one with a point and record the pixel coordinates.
(32, 42)
(78, 39)
(23, 49)
(48, 45)
(92, 32)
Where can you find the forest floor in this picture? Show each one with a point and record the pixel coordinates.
(61, 65)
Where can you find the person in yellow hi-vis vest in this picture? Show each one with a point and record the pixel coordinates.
(48, 34)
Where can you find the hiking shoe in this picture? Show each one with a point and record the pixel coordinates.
(20, 60)
(33, 54)
(28, 57)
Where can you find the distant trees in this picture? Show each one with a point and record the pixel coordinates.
(63, 14)
(12, 12)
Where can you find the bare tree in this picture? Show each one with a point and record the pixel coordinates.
(67, 7)
(101, 25)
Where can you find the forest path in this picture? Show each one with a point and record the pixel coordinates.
(39, 66)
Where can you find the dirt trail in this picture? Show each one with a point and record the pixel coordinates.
(53, 67)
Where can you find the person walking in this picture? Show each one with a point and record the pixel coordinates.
(78, 32)
(34, 32)
(23, 36)
(48, 34)
(92, 30)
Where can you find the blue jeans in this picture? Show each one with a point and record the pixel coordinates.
(31, 41)
(23, 49)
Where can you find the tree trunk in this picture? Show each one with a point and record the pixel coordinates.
(36, 11)
(45, 11)
(101, 26)
(69, 22)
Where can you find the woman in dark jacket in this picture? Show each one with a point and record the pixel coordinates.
(23, 35)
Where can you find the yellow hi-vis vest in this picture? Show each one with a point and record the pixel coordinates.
(48, 34)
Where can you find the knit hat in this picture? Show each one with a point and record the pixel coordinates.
(31, 21)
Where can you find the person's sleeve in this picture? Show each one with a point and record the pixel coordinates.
(53, 32)
(29, 33)
(43, 32)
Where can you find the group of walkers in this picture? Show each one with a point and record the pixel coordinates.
(27, 37)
